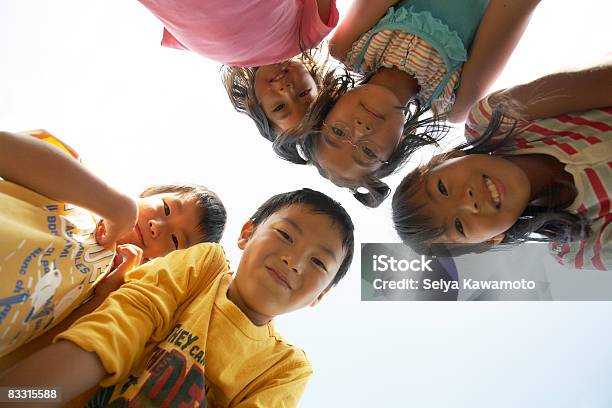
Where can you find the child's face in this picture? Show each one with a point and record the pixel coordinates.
(475, 197)
(289, 260)
(360, 132)
(285, 91)
(165, 222)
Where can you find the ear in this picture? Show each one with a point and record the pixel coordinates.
(496, 240)
(318, 299)
(245, 234)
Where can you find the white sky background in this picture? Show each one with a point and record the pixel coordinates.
(93, 74)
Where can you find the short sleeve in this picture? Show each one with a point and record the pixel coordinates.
(312, 29)
(143, 309)
(283, 389)
(168, 40)
(480, 116)
(595, 252)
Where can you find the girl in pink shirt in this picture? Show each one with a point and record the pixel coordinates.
(255, 39)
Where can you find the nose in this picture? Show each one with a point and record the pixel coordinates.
(284, 86)
(362, 128)
(156, 227)
(292, 263)
(469, 202)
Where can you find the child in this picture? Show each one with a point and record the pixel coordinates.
(277, 96)
(49, 258)
(181, 330)
(257, 41)
(244, 34)
(536, 169)
(357, 135)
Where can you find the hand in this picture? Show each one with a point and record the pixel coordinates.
(128, 257)
(111, 228)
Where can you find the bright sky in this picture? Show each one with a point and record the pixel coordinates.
(93, 74)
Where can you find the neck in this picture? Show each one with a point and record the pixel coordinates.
(403, 85)
(546, 175)
(233, 294)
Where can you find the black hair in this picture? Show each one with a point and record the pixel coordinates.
(535, 224)
(318, 203)
(239, 83)
(417, 132)
(212, 211)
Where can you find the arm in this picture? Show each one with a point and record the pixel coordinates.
(43, 168)
(561, 93)
(500, 30)
(48, 368)
(143, 310)
(361, 17)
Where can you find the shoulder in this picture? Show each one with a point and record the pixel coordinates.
(200, 253)
(184, 267)
(292, 360)
(478, 118)
(205, 256)
(482, 114)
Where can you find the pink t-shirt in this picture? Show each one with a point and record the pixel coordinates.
(242, 32)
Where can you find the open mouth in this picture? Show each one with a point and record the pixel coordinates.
(279, 278)
(494, 191)
(372, 112)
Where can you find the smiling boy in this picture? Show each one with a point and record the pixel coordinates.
(55, 215)
(181, 330)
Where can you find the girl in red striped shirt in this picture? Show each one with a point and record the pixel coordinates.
(414, 53)
(530, 171)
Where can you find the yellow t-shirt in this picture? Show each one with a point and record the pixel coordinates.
(171, 334)
(49, 260)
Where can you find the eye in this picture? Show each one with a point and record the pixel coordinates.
(319, 263)
(175, 241)
(285, 236)
(368, 152)
(442, 188)
(304, 93)
(459, 227)
(166, 208)
(337, 131)
(279, 108)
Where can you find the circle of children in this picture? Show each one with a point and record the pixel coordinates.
(131, 301)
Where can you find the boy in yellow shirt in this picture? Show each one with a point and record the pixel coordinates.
(53, 213)
(182, 330)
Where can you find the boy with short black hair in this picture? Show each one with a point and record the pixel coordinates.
(55, 215)
(181, 330)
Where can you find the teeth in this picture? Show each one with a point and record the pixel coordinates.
(492, 190)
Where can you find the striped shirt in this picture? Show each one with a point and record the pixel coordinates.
(583, 142)
(411, 54)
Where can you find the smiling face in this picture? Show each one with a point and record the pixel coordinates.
(360, 133)
(284, 92)
(166, 222)
(476, 198)
(288, 262)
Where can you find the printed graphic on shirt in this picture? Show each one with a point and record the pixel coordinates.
(49, 259)
(173, 376)
(47, 274)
